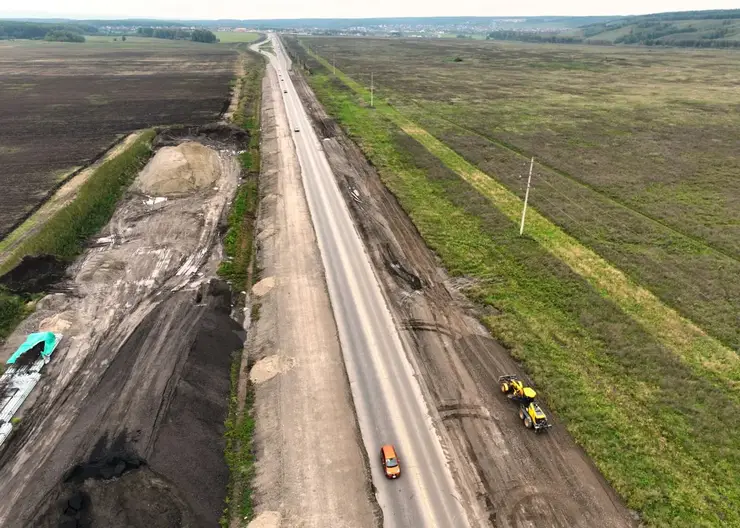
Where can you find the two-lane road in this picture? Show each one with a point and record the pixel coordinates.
(389, 403)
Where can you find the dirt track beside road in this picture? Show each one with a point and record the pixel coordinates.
(311, 469)
(509, 476)
(129, 416)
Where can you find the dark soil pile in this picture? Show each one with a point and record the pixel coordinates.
(213, 135)
(34, 274)
(29, 357)
(158, 460)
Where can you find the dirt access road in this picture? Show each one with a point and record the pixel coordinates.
(138, 389)
(508, 475)
(310, 469)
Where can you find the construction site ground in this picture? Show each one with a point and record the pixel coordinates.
(509, 476)
(126, 427)
(311, 470)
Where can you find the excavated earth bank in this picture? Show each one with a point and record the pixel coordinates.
(126, 428)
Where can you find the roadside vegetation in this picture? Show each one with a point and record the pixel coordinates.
(237, 269)
(649, 406)
(267, 47)
(238, 240)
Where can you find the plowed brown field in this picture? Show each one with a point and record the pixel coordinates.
(62, 104)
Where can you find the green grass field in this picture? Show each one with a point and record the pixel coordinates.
(639, 387)
(227, 37)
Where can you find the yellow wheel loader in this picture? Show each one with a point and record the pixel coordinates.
(529, 410)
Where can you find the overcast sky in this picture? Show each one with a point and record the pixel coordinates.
(261, 9)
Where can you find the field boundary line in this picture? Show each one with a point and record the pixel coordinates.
(524, 156)
(58, 198)
(682, 336)
(96, 160)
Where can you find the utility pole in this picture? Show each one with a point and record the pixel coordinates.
(371, 89)
(526, 197)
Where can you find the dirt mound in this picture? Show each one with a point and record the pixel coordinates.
(179, 170)
(139, 497)
(34, 274)
(214, 134)
(150, 470)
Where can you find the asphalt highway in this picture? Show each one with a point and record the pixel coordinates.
(389, 403)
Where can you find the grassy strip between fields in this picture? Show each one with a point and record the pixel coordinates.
(67, 231)
(649, 405)
(238, 246)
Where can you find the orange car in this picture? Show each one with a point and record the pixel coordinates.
(389, 459)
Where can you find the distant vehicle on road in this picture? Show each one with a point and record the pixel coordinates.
(285, 91)
(390, 462)
(296, 129)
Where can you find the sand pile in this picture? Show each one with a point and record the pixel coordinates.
(179, 170)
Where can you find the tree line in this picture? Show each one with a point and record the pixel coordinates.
(649, 37)
(58, 35)
(37, 31)
(532, 37)
(196, 35)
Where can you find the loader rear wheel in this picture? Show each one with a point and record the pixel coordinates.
(528, 422)
(521, 414)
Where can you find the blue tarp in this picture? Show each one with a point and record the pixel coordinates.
(48, 338)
